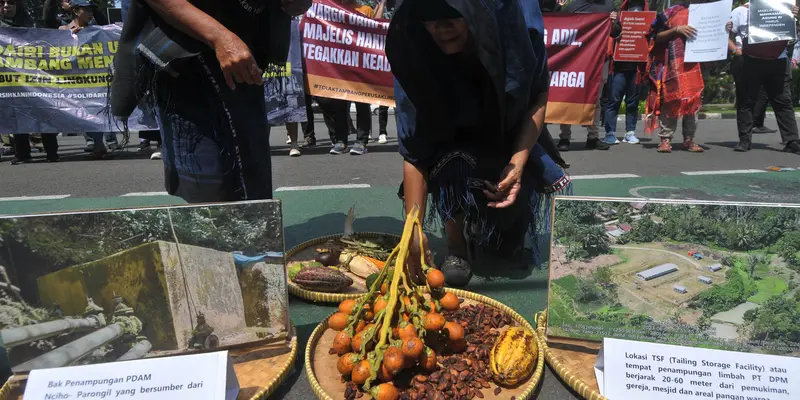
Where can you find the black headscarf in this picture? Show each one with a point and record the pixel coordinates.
(507, 43)
(21, 19)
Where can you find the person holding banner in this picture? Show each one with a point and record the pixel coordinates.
(199, 65)
(766, 67)
(676, 87)
(471, 88)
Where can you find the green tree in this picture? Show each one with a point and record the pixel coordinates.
(595, 240)
(704, 323)
(603, 276)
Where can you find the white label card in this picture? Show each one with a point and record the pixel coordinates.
(208, 376)
(640, 370)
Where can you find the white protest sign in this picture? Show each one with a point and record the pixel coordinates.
(208, 376)
(641, 370)
(711, 41)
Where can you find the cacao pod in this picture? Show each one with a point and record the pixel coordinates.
(322, 279)
(513, 357)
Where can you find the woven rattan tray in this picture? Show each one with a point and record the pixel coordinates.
(326, 382)
(260, 370)
(572, 360)
(307, 251)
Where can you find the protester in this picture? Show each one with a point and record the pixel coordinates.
(767, 65)
(291, 131)
(470, 110)
(338, 111)
(145, 140)
(383, 121)
(14, 15)
(739, 18)
(592, 136)
(199, 64)
(676, 87)
(57, 13)
(623, 82)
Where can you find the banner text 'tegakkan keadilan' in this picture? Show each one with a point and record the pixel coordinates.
(344, 55)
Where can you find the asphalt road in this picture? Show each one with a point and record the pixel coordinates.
(310, 214)
(130, 172)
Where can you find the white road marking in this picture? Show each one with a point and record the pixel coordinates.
(605, 176)
(143, 194)
(322, 187)
(25, 198)
(726, 172)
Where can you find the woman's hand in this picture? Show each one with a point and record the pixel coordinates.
(295, 7)
(413, 263)
(686, 31)
(506, 192)
(729, 26)
(236, 61)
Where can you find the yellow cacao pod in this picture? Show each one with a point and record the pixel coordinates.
(513, 357)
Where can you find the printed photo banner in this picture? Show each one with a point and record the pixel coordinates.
(52, 81)
(576, 49)
(344, 55)
(284, 86)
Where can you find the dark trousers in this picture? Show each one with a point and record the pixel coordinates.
(776, 78)
(383, 119)
(337, 118)
(150, 136)
(760, 107)
(22, 145)
(621, 84)
(308, 126)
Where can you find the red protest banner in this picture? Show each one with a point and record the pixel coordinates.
(576, 49)
(632, 44)
(344, 54)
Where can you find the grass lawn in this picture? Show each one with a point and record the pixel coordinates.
(767, 287)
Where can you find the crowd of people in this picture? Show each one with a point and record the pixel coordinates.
(470, 125)
(73, 16)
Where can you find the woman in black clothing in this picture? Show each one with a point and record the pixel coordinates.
(471, 91)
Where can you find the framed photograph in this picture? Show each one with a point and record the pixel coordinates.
(94, 287)
(706, 274)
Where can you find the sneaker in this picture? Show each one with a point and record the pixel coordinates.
(563, 145)
(16, 160)
(89, 148)
(294, 151)
(762, 129)
(112, 146)
(631, 138)
(358, 149)
(288, 140)
(611, 139)
(7, 151)
(338, 148)
(792, 147)
(457, 271)
(665, 146)
(382, 139)
(743, 146)
(308, 142)
(143, 147)
(156, 155)
(692, 147)
(596, 144)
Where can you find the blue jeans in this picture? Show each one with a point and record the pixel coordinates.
(622, 83)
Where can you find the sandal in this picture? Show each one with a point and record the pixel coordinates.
(457, 271)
